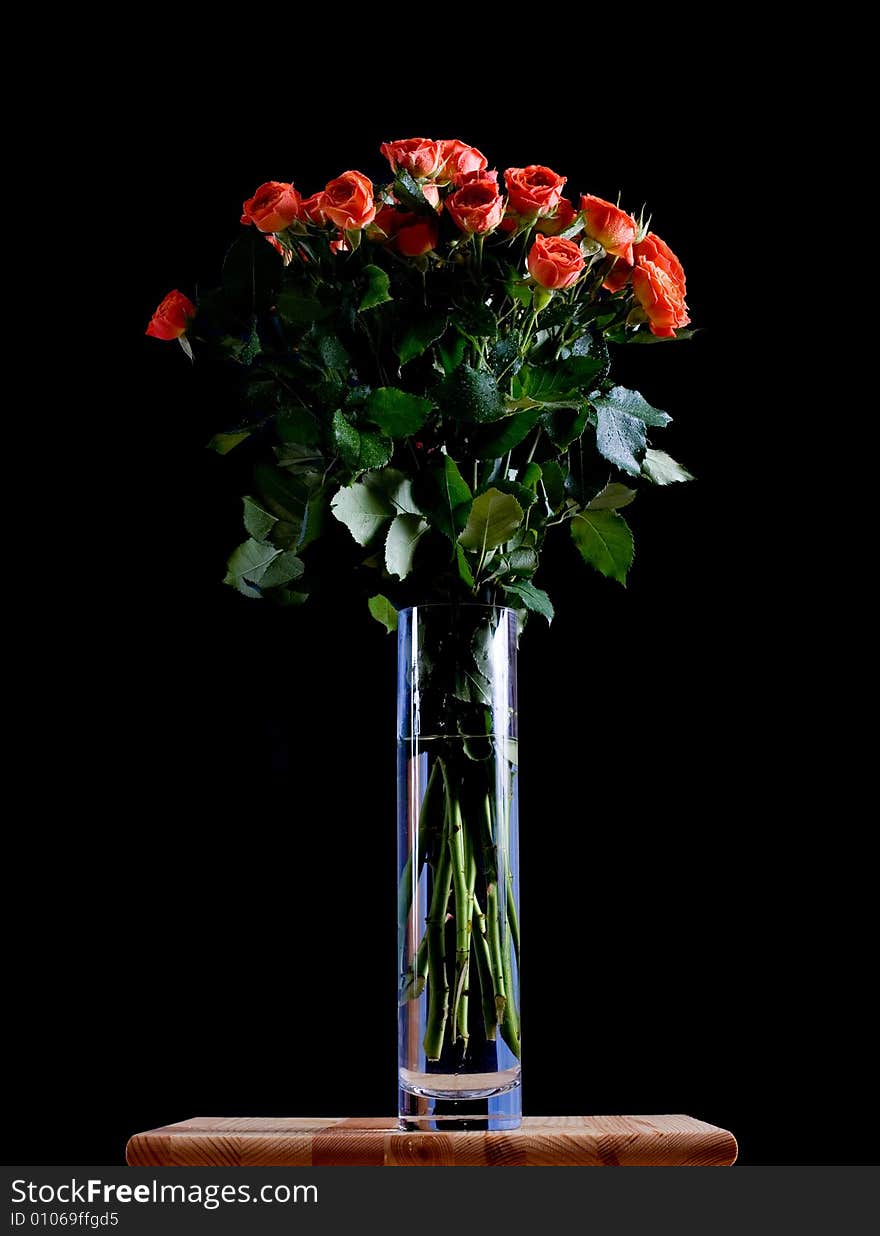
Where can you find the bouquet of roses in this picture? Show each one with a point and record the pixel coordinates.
(429, 361)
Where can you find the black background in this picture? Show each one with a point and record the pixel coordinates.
(202, 881)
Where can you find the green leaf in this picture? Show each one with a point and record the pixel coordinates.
(517, 288)
(407, 190)
(531, 475)
(465, 573)
(619, 399)
(553, 480)
(396, 412)
(297, 306)
(452, 351)
(258, 522)
(359, 450)
(505, 434)
(560, 383)
(643, 335)
(524, 496)
(419, 335)
(397, 488)
(620, 438)
(605, 541)
(400, 545)
(281, 570)
(470, 395)
(223, 443)
(564, 425)
(383, 611)
(612, 498)
(298, 425)
(300, 459)
(532, 598)
(363, 509)
(521, 561)
(448, 497)
(313, 519)
(377, 288)
(493, 518)
(254, 565)
(662, 469)
(333, 355)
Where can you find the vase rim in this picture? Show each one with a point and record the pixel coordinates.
(408, 609)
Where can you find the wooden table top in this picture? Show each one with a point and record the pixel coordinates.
(541, 1141)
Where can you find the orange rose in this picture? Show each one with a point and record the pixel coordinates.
(477, 206)
(273, 207)
(661, 297)
(533, 190)
(614, 229)
(653, 249)
(348, 201)
(409, 233)
(172, 317)
(419, 156)
(312, 208)
(563, 217)
(554, 263)
(460, 160)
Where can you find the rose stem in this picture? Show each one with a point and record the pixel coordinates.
(435, 931)
(405, 888)
(484, 969)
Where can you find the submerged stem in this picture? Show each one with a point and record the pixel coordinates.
(435, 931)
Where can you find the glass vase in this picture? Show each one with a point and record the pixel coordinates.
(458, 873)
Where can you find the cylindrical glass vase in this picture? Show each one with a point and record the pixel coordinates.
(458, 868)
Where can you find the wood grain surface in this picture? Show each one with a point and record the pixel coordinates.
(542, 1141)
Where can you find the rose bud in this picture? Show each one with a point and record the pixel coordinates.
(348, 201)
(661, 297)
(460, 160)
(431, 193)
(273, 207)
(563, 216)
(613, 228)
(172, 317)
(533, 191)
(476, 207)
(419, 156)
(554, 263)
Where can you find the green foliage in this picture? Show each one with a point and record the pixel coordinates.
(605, 541)
(383, 611)
(400, 546)
(493, 518)
(223, 443)
(470, 395)
(255, 566)
(358, 449)
(426, 406)
(418, 334)
(395, 412)
(662, 469)
(376, 291)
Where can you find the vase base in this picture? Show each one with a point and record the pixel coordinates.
(459, 1101)
(459, 1086)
